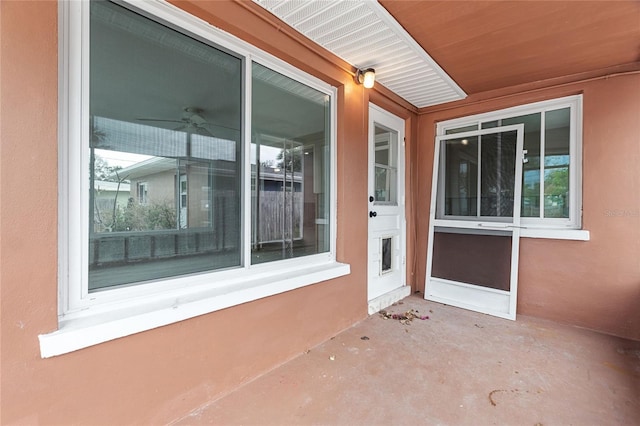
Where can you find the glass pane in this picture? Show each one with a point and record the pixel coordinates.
(530, 205)
(386, 166)
(497, 175)
(556, 163)
(165, 161)
(289, 168)
(463, 129)
(491, 124)
(381, 182)
(461, 177)
(386, 254)
(382, 154)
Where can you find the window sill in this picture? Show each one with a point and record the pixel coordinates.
(88, 330)
(526, 230)
(555, 234)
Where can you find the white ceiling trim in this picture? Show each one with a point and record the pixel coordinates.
(364, 34)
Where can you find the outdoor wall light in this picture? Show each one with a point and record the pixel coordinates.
(366, 77)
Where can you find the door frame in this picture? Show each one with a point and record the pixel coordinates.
(378, 115)
(489, 301)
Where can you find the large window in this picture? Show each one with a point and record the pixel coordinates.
(166, 119)
(195, 171)
(289, 168)
(551, 196)
(166, 115)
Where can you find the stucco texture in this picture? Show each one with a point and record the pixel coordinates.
(593, 284)
(159, 375)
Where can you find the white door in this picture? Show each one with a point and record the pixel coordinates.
(474, 232)
(386, 216)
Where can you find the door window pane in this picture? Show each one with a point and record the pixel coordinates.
(386, 166)
(165, 157)
(290, 156)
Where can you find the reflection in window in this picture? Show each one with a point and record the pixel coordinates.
(386, 166)
(142, 198)
(556, 163)
(461, 182)
(478, 176)
(552, 200)
(462, 129)
(530, 205)
(165, 163)
(497, 174)
(289, 168)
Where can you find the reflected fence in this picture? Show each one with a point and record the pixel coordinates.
(279, 218)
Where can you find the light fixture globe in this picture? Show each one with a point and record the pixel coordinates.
(366, 77)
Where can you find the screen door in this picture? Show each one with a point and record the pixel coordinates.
(474, 232)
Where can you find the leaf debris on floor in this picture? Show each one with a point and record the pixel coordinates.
(404, 318)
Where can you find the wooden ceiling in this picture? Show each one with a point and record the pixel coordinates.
(489, 45)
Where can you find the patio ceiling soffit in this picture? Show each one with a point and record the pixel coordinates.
(365, 35)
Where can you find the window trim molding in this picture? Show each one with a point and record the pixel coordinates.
(124, 319)
(544, 227)
(86, 319)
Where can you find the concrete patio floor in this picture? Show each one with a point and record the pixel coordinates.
(455, 368)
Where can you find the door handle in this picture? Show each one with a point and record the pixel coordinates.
(373, 214)
(371, 198)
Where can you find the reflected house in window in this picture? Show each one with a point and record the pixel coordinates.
(169, 116)
(108, 196)
(186, 187)
(178, 199)
(179, 175)
(182, 201)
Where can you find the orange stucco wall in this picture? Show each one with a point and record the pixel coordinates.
(593, 284)
(159, 375)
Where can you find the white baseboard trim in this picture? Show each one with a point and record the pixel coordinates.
(388, 299)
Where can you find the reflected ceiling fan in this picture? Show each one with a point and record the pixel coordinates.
(192, 121)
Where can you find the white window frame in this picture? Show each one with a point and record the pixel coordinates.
(142, 192)
(87, 319)
(570, 228)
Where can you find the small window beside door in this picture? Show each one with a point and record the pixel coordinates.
(551, 181)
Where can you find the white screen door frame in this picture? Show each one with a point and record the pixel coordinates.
(462, 293)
